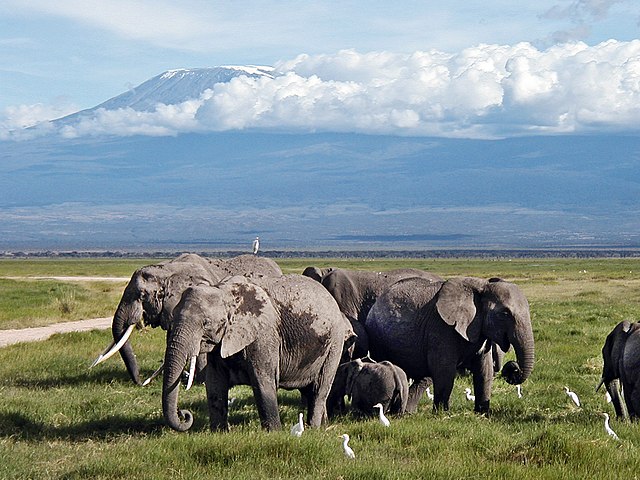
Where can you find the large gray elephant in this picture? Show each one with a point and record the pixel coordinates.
(367, 383)
(155, 290)
(285, 332)
(430, 329)
(621, 358)
(356, 292)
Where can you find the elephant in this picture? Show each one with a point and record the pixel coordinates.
(155, 290)
(268, 332)
(317, 273)
(621, 368)
(357, 290)
(367, 383)
(429, 329)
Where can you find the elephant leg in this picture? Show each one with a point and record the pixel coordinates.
(482, 370)
(416, 391)
(443, 386)
(265, 394)
(217, 383)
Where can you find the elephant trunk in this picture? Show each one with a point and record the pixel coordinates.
(181, 347)
(613, 387)
(127, 314)
(517, 372)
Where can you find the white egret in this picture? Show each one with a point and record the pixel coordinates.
(519, 390)
(429, 394)
(383, 420)
(255, 246)
(345, 446)
(469, 395)
(608, 429)
(298, 428)
(572, 396)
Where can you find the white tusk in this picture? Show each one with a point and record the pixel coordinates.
(114, 348)
(153, 375)
(192, 372)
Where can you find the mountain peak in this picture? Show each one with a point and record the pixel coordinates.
(173, 87)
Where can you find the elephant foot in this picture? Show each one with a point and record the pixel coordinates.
(482, 408)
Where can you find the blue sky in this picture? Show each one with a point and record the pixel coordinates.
(59, 57)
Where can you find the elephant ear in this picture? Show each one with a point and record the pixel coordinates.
(252, 313)
(457, 307)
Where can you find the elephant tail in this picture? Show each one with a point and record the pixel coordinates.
(400, 396)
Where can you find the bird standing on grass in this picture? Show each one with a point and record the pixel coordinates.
(608, 429)
(298, 428)
(255, 246)
(572, 396)
(345, 446)
(470, 396)
(383, 420)
(429, 394)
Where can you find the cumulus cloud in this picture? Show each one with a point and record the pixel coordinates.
(483, 91)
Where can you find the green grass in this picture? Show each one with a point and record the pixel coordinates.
(60, 420)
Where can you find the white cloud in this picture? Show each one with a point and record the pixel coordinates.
(483, 91)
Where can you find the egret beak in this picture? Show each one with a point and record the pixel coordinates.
(113, 348)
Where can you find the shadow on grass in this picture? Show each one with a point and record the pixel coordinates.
(18, 426)
(69, 380)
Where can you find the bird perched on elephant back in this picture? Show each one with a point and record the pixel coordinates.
(621, 368)
(430, 329)
(267, 332)
(154, 291)
(368, 383)
(356, 291)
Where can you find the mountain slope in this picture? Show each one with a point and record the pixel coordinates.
(305, 191)
(172, 87)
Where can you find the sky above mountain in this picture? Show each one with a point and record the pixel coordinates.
(486, 69)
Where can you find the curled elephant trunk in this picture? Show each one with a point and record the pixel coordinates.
(517, 372)
(181, 347)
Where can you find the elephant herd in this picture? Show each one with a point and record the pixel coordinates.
(376, 337)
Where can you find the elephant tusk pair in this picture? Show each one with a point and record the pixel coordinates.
(192, 372)
(153, 375)
(114, 347)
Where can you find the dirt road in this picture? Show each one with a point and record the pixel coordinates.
(9, 337)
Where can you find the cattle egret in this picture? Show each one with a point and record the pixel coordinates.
(608, 429)
(345, 446)
(255, 246)
(429, 394)
(519, 390)
(469, 395)
(383, 420)
(572, 396)
(298, 428)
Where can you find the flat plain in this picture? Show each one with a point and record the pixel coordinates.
(58, 419)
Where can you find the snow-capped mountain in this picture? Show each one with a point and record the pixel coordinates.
(175, 86)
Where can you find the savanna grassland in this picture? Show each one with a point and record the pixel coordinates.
(58, 419)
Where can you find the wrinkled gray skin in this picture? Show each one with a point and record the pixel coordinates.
(368, 383)
(357, 290)
(154, 291)
(621, 357)
(269, 333)
(431, 329)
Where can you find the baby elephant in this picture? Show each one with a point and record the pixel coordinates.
(368, 383)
